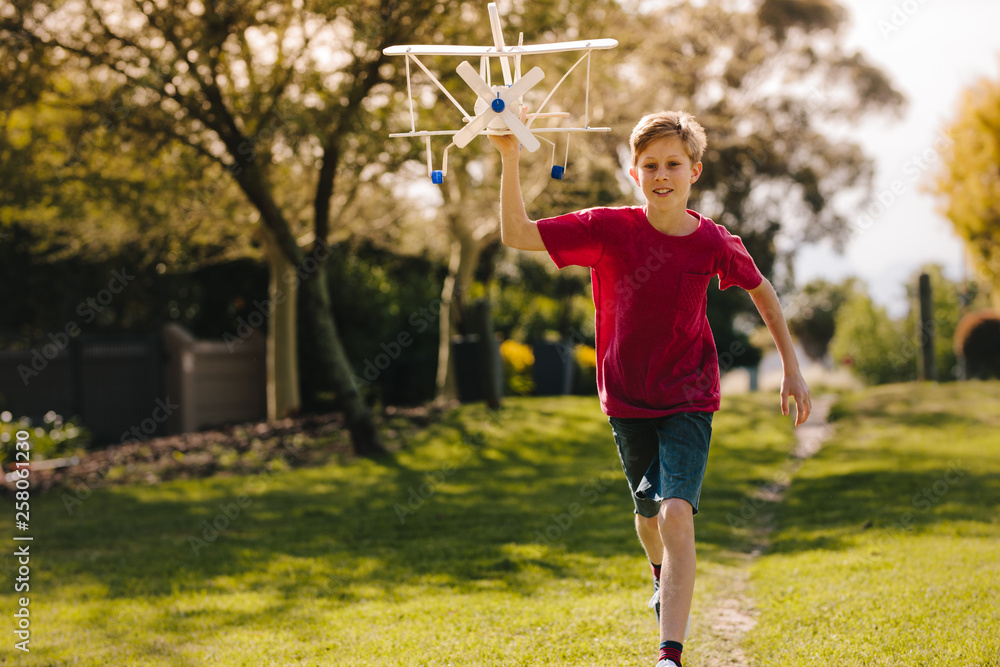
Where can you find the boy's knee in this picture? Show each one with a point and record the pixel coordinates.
(676, 513)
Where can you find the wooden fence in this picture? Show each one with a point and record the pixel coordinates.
(133, 386)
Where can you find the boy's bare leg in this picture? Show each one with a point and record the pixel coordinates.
(676, 527)
(648, 529)
(668, 538)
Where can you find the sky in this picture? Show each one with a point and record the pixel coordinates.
(932, 50)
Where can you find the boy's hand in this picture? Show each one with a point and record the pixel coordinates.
(793, 384)
(507, 144)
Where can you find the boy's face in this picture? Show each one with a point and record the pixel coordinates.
(665, 173)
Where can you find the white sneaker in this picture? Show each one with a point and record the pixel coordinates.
(666, 663)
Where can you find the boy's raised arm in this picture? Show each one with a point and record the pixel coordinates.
(793, 384)
(516, 229)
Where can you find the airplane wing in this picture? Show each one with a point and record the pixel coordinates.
(491, 51)
(534, 130)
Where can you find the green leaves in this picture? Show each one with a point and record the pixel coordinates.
(969, 183)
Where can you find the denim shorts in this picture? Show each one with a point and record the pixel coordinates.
(663, 457)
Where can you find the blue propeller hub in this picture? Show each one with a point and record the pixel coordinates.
(497, 105)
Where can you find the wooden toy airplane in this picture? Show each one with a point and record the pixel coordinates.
(499, 109)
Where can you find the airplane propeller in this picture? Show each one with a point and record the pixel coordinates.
(500, 101)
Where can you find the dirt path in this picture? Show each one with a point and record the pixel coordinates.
(733, 614)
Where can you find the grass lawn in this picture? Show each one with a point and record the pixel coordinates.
(490, 540)
(507, 540)
(887, 548)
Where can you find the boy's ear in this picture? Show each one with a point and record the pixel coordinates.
(696, 171)
(635, 176)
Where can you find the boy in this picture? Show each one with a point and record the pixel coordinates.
(657, 366)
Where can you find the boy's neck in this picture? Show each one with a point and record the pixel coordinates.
(673, 223)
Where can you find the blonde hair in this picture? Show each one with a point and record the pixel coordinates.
(665, 124)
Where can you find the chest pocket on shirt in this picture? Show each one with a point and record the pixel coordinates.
(691, 293)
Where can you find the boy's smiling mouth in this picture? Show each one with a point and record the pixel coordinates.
(662, 191)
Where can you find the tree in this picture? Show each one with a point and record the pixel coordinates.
(969, 183)
(766, 80)
(472, 229)
(75, 193)
(876, 348)
(812, 314)
(73, 173)
(260, 89)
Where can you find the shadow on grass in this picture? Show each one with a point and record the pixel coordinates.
(905, 458)
(473, 511)
(479, 501)
(830, 512)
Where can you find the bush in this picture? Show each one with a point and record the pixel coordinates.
(518, 361)
(379, 299)
(876, 348)
(52, 439)
(585, 373)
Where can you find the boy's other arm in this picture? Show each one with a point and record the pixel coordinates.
(793, 384)
(516, 229)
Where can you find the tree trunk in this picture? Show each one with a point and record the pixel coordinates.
(283, 398)
(317, 311)
(334, 363)
(467, 245)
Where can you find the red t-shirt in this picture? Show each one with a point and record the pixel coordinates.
(655, 351)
